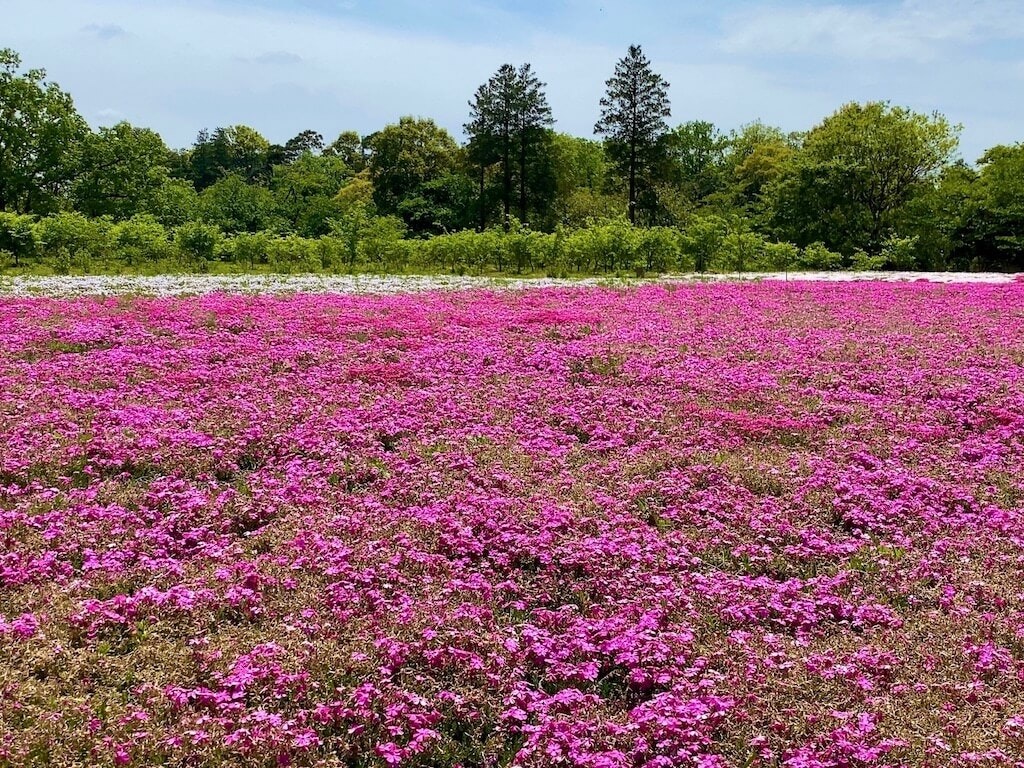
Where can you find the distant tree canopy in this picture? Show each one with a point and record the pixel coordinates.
(415, 169)
(121, 171)
(990, 229)
(237, 150)
(40, 133)
(857, 170)
(873, 184)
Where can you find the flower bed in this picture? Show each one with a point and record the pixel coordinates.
(712, 525)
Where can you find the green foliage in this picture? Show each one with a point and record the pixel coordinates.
(899, 253)
(633, 112)
(856, 172)
(141, 239)
(508, 128)
(304, 144)
(742, 251)
(40, 132)
(304, 192)
(407, 162)
(235, 206)
(702, 241)
(993, 223)
(348, 148)
(608, 247)
(17, 236)
(238, 150)
(381, 245)
(80, 240)
(355, 213)
(693, 156)
(442, 205)
(817, 257)
(122, 172)
(175, 202)
(872, 186)
(585, 207)
(250, 249)
(578, 164)
(657, 250)
(861, 261)
(197, 243)
(937, 217)
(780, 257)
(757, 158)
(292, 253)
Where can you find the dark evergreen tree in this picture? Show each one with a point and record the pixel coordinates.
(483, 149)
(509, 118)
(307, 141)
(533, 118)
(633, 113)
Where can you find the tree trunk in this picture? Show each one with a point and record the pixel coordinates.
(506, 169)
(632, 182)
(522, 178)
(876, 230)
(483, 202)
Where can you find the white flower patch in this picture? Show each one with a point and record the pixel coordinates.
(189, 285)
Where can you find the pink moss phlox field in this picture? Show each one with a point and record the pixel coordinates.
(712, 525)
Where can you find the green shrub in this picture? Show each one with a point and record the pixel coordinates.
(362, 241)
(17, 237)
(84, 240)
(292, 254)
(900, 253)
(61, 261)
(817, 256)
(330, 252)
(196, 244)
(140, 239)
(743, 251)
(249, 249)
(656, 250)
(607, 247)
(864, 262)
(701, 242)
(379, 248)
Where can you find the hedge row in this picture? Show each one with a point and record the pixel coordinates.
(70, 243)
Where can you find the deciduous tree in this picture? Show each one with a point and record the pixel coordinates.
(858, 169)
(412, 160)
(238, 150)
(122, 170)
(40, 133)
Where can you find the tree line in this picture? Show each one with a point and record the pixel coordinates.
(872, 185)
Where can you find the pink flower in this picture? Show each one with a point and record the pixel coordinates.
(391, 753)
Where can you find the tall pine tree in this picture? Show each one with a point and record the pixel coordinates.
(533, 120)
(483, 148)
(633, 113)
(508, 118)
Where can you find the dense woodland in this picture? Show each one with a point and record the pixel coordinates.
(872, 186)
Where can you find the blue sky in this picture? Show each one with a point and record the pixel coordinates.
(181, 65)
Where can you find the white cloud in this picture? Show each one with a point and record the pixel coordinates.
(108, 115)
(274, 58)
(918, 30)
(104, 31)
(189, 64)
